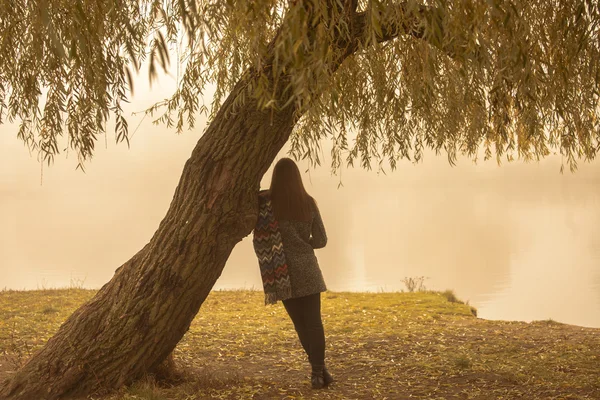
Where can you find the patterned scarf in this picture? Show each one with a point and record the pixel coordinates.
(269, 250)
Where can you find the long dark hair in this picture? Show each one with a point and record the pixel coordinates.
(288, 196)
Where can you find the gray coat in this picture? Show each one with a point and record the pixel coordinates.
(300, 238)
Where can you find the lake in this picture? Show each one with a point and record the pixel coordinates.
(519, 241)
(516, 250)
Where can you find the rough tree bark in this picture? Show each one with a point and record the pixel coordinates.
(136, 319)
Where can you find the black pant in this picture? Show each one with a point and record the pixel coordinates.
(305, 313)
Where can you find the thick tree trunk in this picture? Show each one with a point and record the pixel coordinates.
(136, 319)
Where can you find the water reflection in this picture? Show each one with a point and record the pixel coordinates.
(554, 267)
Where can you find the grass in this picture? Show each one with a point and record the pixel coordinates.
(379, 346)
(451, 297)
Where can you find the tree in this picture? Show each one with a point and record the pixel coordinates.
(514, 79)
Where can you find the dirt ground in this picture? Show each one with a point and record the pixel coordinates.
(379, 346)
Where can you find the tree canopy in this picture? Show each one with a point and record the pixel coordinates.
(504, 78)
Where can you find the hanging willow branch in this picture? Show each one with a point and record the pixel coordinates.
(515, 79)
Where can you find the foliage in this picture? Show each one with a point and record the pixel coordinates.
(416, 283)
(383, 345)
(503, 77)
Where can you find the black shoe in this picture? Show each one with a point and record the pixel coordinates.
(327, 378)
(317, 382)
(317, 379)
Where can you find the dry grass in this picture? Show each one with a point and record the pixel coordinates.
(379, 346)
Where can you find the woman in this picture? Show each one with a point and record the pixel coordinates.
(302, 231)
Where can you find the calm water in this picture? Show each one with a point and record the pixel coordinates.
(520, 242)
(523, 251)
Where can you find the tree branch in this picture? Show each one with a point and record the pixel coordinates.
(383, 23)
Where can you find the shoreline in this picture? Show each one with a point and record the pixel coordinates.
(260, 290)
